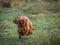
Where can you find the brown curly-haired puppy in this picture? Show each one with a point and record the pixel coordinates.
(24, 26)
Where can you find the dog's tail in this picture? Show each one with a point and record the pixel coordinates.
(33, 29)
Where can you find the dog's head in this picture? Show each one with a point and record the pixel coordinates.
(21, 20)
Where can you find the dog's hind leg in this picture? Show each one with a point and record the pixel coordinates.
(27, 33)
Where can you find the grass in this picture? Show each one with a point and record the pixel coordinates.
(47, 29)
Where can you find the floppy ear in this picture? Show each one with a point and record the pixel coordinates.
(15, 21)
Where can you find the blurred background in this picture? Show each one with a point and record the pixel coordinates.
(44, 14)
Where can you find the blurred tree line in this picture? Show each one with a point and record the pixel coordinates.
(32, 5)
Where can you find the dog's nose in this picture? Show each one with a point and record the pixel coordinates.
(21, 22)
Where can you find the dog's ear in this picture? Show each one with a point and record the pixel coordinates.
(15, 21)
(25, 19)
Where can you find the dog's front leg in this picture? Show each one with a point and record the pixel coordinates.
(19, 34)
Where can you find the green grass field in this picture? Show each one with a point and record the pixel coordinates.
(47, 29)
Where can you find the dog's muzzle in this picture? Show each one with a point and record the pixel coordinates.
(21, 22)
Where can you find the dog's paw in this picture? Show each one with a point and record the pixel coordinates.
(19, 37)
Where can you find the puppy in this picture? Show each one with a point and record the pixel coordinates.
(24, 26)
